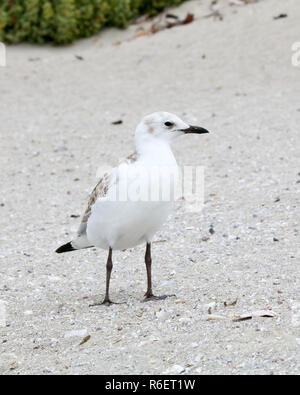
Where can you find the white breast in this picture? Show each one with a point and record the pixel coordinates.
(137, 204)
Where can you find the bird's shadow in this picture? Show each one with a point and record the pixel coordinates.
(118, 300)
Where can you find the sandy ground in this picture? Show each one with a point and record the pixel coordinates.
(233, 76)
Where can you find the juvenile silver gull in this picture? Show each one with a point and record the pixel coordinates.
(118, 215)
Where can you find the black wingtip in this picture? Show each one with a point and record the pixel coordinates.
(65, 248)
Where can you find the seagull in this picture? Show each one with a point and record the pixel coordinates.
(121, 213)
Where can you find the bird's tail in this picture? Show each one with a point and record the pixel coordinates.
(65, 248)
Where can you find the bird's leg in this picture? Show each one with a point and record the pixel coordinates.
(148, 262)
(149, 294)
(109, 266)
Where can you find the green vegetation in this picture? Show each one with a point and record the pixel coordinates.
(63, 21)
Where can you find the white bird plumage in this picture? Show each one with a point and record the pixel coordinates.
(119, 214)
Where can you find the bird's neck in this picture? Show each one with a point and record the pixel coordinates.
(157, 152)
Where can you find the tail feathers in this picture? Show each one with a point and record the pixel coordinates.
(65, 248)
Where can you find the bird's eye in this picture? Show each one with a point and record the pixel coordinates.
(169, 124)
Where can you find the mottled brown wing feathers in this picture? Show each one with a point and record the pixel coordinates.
(132, 158)
(100, 190)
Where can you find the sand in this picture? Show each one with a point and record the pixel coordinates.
(233, 76)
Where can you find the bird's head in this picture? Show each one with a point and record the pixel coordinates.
(165, 126)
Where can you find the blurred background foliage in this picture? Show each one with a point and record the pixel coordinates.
(63, 21)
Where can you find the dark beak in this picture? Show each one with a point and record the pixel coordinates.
(195, 129)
